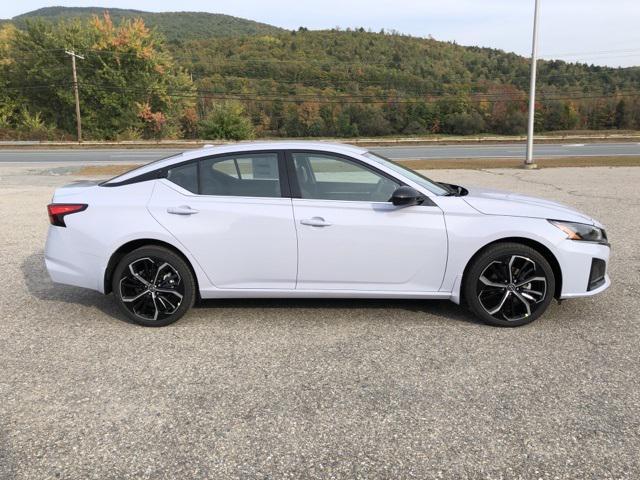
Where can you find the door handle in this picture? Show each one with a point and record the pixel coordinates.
(182, 210)
(315, 222)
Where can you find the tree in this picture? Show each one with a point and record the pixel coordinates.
(8, 104)
(125, 65)
(623, 116)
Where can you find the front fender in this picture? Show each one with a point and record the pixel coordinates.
(470, 234)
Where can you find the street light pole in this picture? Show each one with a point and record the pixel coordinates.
(73, 55)
(528, 163)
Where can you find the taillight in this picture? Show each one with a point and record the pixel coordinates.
(57, 212)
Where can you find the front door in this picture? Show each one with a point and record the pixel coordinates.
(351, 237)
(230, 214)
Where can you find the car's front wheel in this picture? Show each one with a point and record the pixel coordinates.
(153, 286)
(509, 285)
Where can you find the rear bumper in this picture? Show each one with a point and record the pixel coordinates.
(68, 262)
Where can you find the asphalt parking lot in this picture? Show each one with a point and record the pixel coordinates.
(320, 389)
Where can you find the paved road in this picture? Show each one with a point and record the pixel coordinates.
(399, 152)
(320, 389)
(510, 151)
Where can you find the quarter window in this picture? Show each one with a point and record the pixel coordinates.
(326, 177)
(185, 175)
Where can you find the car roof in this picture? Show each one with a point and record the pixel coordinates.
(209, 150)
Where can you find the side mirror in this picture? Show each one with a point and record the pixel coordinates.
(406, 197)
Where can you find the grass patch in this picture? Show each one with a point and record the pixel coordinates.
(452, 164)
(483, 163)
(104, 170)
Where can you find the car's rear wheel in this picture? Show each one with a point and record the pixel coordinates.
(509, 285)
(153, 286)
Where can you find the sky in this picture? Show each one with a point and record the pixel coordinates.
(600, 32)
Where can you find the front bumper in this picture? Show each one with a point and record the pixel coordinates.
(589, 293)
(576, 262)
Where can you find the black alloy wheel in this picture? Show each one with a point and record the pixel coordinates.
(509, 285)
(153, 286)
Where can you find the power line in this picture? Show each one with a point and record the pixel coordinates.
(334, 100)
(37, 87)
(451, 89)
(361, 61)
(300, 97)
(593, 52)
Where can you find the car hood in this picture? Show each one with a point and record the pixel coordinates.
(496, 202)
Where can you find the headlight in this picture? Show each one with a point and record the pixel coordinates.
(582, 231)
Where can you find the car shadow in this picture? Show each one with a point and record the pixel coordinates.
(7, 465)
(443, 309)
(41, 287)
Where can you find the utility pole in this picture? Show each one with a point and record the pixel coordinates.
(529, 163)
(73, 56)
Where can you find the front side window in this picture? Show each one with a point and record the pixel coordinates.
(327, 177)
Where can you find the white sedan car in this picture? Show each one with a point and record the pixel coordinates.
(316, 220)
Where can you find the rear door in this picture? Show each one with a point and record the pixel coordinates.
(234, 214)
(351, 237)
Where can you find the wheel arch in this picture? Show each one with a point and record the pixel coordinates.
(142, 242)
(537, 246)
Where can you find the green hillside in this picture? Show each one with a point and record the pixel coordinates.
(396, 84)
(174, 25)
(404, 63)
(218, 70)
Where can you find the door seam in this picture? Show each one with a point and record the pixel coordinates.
(295, 227)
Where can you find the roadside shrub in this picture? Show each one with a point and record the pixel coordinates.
(5, 120)
(7, 109)
(155, 125)
(130, 133)
(463, 123)
(228, 121)
(189, 123)
(515, 123)
(33, 127)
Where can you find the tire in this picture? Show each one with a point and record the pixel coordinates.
(509, 300)
(153, 286)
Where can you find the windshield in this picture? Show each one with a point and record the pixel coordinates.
(408, 173)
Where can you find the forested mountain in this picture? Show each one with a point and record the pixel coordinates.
(175, 26)
(203, 83)
(400, 84)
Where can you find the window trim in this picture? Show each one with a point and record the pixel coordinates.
(289, 187)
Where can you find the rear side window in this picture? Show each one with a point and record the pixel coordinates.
(244, 175)
(185, 175)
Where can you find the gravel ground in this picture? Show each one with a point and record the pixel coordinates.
(320, 389)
